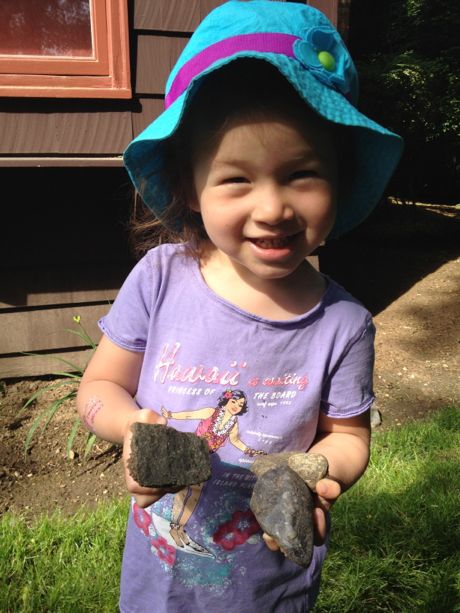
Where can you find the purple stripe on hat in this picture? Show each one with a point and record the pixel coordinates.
(263, 42)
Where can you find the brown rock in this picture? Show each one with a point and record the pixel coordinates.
(311, 467)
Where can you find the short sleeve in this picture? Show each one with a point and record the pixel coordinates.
(348, 390)
(127, 322)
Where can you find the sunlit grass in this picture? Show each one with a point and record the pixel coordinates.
(62, 564)
(396, 534)
(395, 543)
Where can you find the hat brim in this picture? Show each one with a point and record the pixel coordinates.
(375, 151)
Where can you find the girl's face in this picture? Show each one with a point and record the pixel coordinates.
(266, 193)
(235, 405)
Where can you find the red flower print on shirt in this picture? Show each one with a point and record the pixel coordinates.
(164, 551)
(142, 519)
(237, 530)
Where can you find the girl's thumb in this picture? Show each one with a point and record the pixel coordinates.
(148, 416)
(327, 488)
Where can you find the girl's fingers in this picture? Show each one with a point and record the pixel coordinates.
(145, 501)
(270, 542)
(319, 525)
(151, 496)
(327, 492)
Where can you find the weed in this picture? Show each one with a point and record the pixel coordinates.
(71, 378)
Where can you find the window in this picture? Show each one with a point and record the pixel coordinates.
(64, 48)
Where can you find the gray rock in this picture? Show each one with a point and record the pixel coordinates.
(163, 457)
(311, 467)
(282, 504)
(376, 417)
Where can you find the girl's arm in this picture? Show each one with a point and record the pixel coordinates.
(105, 400)
(106, 405)
(346, 445)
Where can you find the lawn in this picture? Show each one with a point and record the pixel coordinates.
(396, 534)
(395, 544)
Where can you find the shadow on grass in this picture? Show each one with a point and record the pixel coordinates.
(396, 536)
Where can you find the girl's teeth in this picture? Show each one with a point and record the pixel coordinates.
(272, 243)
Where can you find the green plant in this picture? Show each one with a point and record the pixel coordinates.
(71, 378)
(406, 53)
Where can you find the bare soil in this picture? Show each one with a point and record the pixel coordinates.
(403, 264)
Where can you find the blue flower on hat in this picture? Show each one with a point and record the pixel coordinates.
(322, 51)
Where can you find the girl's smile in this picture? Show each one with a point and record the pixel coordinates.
(271, 248)
(266, 194)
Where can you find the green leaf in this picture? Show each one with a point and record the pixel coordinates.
(36, 395)
(71, 379)
(72, 436)
(53, 409)
(90, 442)
(32, 430)
(85, 337)
(68, 375)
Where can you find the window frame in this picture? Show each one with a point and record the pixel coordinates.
(104, 75)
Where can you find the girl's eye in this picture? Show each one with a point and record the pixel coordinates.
(303, 174)
(235, 180)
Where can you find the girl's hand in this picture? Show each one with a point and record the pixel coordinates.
(144, 496)
(327, 492)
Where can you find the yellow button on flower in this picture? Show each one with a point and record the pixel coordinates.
(327, 60)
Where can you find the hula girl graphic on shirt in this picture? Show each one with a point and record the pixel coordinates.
(217, 426)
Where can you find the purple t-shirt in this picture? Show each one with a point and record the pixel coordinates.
(202, 549)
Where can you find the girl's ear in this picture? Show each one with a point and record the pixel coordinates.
(193, 200)
(194, 203)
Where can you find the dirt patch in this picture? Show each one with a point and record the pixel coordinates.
(404, 264)
(44, 478)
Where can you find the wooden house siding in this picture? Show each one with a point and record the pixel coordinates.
(63, 254)
(46, 128)
(64, 245)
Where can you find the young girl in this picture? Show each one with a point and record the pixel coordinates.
(259, 156)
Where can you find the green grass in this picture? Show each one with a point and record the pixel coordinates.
(395, 544)
(67, 565)
(396, 535)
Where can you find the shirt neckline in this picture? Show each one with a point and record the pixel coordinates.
(204, 287)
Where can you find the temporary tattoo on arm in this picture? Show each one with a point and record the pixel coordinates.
(92, 408)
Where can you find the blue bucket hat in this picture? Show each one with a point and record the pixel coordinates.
(307, 50)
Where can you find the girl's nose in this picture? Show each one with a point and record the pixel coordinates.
(271, 206)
